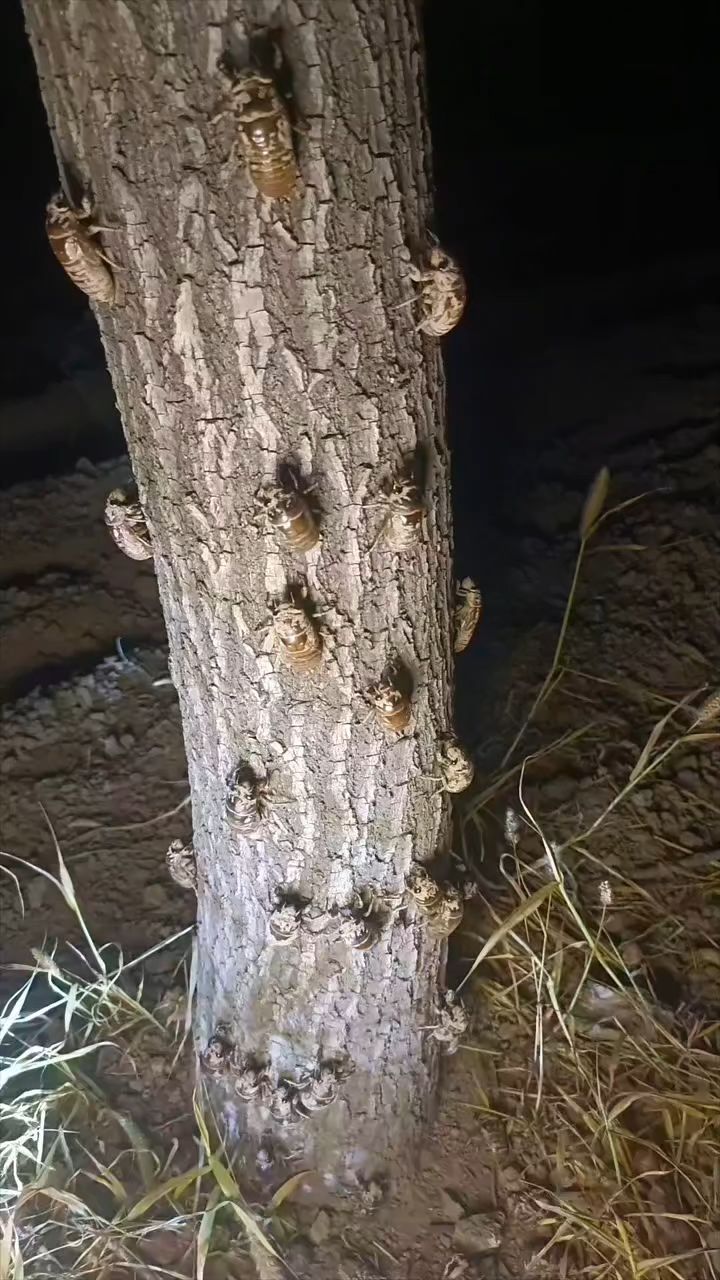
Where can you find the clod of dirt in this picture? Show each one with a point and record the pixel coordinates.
(480, 1233)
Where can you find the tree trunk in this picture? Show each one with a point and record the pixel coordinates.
(247, 334)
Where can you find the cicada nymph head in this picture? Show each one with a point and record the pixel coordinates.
(245, 804)
(468, 610)
(443, 293)
(287, 511)
(182, 865)
(454, 764)
(217, 1055)
(406, 512)
(264, 133)
(390, 699)
(125, 519)
(296, 635)
(452, 1023)
(75, 242)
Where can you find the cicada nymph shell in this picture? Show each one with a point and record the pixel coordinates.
(296, 636)
(182, 865)
(264, 134)
(125, 519)
(245, 804)
(217, 1056)
(288, 511)
(443, 293)
(452, 1023)
(455, 765)
(468, 609)
(389, 698)
(404, 522)
(75, 243)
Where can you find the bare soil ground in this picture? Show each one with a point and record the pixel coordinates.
(98, 747)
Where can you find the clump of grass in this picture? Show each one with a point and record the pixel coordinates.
(610, 1101)
(84, 1191)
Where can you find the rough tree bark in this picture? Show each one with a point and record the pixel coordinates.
(249, 333)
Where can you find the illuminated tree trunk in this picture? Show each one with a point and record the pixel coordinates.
(249, 334)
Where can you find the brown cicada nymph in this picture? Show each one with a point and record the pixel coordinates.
(287, 511)
(74, 240)
(126, 521)
(442, 295)
(264, 133)
(296, 635)
(468, 611)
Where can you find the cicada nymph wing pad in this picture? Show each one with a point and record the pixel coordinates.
(76, 245)
(442, 294)
(468, 610)
(126, 522)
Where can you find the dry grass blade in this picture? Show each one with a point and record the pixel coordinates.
(594, 503)
(526, 908)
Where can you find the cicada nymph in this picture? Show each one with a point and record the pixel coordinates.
(468, 609)
(182, 865)
(287, 511)
(442, 295)
(442, 905)
(454, 764)
(246, 803)
(406, 513)
(74, 240)
(264, 132)
(296, 635)
(452, 1023)
(389, 698)
(125, 519)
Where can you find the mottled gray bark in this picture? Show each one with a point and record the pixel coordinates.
(248, 333)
